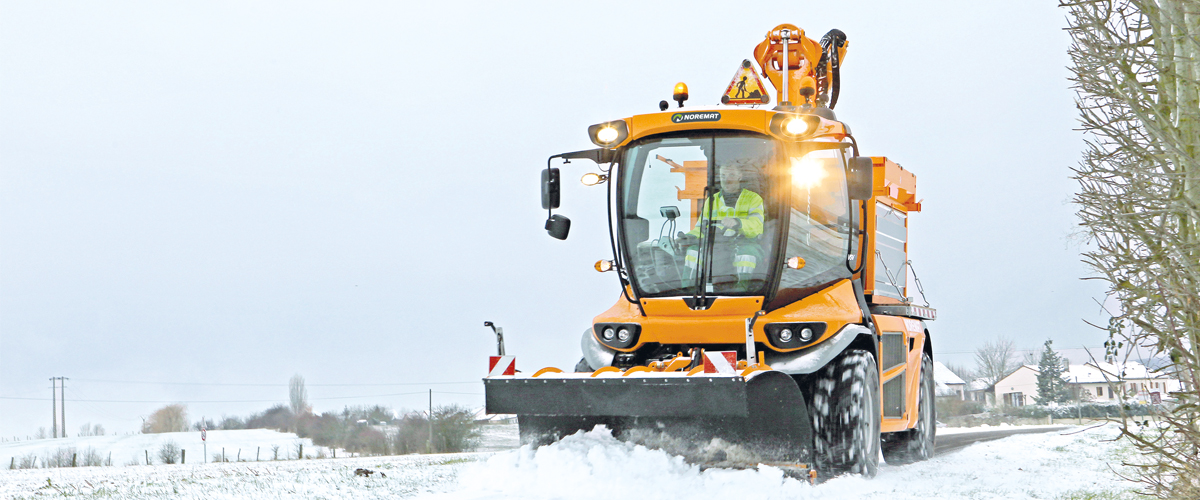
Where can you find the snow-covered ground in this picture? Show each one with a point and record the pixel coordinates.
(591, 465)
(125, 449)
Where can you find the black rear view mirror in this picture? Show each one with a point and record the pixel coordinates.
(860, 178)
(550, 188)
(558, 226)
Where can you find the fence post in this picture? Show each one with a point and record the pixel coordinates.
(13, 464)
(256, 450)
(73, 457)
(147, 456)
(239, 457)
(223, 459)
(301, 457)
(182, 457)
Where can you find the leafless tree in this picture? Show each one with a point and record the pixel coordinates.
(170, 418)
(1136, 68)
(298, 395)
(996, 359)
(91, 430)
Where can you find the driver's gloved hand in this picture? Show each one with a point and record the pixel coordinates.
(684, 239)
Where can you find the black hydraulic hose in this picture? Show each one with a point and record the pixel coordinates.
(830, 43)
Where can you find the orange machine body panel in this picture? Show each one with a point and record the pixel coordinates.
(913, 333)
(670, 321)
(896, 190)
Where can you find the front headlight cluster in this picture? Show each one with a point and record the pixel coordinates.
(618, 335)
(794, 335)
(795, 126)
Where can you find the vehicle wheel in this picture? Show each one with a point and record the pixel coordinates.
(916, 444)
(845, 415)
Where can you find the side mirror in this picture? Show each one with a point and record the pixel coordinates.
(558, 226)
(860, 178)
(550, 190)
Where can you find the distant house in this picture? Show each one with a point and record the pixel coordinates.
(948, 384)
(1132, 381)
(981, 391)
(1018, 388)
(1090, 382)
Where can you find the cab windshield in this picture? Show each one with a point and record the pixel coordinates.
(702, 213)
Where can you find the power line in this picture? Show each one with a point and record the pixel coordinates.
(270, 385)
(938, 351)
(240, 400)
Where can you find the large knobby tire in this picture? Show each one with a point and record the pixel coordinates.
(916, 444)
(845, 412)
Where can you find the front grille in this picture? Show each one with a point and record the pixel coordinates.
(893, 397)
(891, 350)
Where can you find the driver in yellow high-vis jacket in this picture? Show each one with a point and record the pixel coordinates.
(740, 214)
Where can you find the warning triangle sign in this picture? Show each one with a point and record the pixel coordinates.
(745, 88)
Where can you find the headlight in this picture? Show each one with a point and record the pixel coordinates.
(608, 135)
(788, 336)
(618, 335)
(796, 126)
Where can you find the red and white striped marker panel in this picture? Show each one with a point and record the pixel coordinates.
(502, 365)
(720, 362)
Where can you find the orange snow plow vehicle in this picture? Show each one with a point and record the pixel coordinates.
(763, 315)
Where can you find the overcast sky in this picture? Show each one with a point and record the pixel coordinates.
(198, 196)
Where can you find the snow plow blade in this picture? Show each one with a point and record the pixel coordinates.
(761, 416)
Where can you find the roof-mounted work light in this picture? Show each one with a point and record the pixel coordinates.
(795, 126)
(608, 135)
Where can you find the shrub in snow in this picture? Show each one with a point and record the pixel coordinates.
(27, 461)
(168, 453)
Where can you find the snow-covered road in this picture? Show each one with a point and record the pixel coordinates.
(593, 465)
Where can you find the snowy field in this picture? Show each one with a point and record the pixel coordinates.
(593, 465)
(127, 449)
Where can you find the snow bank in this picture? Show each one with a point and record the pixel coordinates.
(593, 465)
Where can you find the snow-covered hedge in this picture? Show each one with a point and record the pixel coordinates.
(1086, 410)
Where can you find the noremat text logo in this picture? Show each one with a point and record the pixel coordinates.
(709, 116)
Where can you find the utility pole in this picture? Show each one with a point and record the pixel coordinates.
(62, 393)
(53, 407)
(431, 421)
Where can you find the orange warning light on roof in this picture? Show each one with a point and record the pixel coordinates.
(681, 93)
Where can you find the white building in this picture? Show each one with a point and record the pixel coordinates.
(1092, 382)
(948, 384)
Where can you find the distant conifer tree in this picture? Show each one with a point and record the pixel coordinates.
(1051, 379)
